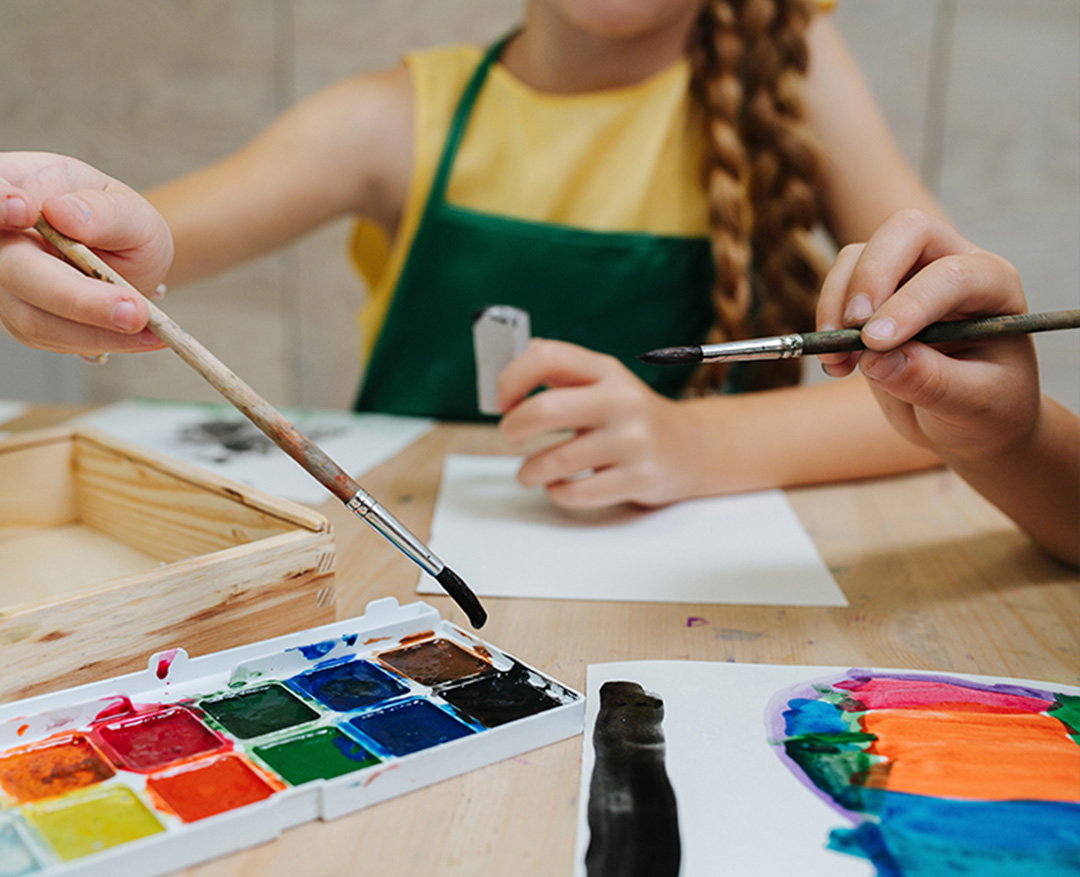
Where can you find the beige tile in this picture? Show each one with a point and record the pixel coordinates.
(893, 44)
(148, 91)
(1011, 174)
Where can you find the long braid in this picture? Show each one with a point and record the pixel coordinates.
(749, 61)
(784, 178)
(716, 56)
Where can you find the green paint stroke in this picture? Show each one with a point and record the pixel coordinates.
(1066, 709)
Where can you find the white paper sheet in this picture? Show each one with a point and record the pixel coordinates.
(741, 807)
(219, 438)
(9, 410)
(507, 541)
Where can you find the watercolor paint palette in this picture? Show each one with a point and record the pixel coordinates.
(196, 757)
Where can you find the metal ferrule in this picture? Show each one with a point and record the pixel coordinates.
(773, 347)
(364, 505)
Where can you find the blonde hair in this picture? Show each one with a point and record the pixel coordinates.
(749, 61)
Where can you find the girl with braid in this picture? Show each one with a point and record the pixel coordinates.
(634, 173)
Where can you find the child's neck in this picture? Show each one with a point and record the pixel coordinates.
(551, 55)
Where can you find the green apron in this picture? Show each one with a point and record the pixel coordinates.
(620, 293)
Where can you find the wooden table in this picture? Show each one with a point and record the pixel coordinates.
(937, 579)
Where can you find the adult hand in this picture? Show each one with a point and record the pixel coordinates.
(965, 400)
(629, 444)
(47, 303)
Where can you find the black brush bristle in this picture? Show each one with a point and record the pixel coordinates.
(686, 353)
(461, 594)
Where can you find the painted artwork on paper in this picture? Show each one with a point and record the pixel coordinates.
(940, 775)
(762, 770)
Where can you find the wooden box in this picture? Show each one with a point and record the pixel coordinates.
(110, 552)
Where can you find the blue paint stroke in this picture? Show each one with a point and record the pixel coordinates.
(915, 834)
(805, 716)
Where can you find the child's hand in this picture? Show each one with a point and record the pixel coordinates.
(965, 401)
(47, 303)
(627, 444)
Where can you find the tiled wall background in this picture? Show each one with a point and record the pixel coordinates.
(984, 96)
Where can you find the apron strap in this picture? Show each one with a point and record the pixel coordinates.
(460, 122)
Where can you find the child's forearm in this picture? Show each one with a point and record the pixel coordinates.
(794, 436)
(1037, 484)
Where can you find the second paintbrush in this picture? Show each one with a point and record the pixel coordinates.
(848, 340)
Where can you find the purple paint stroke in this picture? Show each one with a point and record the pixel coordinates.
(945, 679)
(697, 621)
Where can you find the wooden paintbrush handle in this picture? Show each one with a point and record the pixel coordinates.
(260, 412)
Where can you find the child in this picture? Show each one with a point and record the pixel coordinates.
(570, 184)
(978, 405)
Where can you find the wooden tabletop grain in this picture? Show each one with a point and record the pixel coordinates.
(937, 579)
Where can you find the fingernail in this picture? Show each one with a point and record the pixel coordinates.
(883, 329)
(13, 211)
(858, 311)
(125, 316)
(884, 367)
(149, 339)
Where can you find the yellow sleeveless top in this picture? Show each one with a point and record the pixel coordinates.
(624, 159)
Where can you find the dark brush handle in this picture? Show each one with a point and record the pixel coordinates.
(847, 340)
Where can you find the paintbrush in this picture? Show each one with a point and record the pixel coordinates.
(279, 430)
(848, 340)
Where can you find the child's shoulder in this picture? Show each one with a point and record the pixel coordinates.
(455, 60)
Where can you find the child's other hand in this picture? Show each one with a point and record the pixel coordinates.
(627, 446)
(965, 400)
(47, 303)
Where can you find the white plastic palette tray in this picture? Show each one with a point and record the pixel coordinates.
(194, 758)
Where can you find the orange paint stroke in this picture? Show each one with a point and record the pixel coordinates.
(983, 756)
